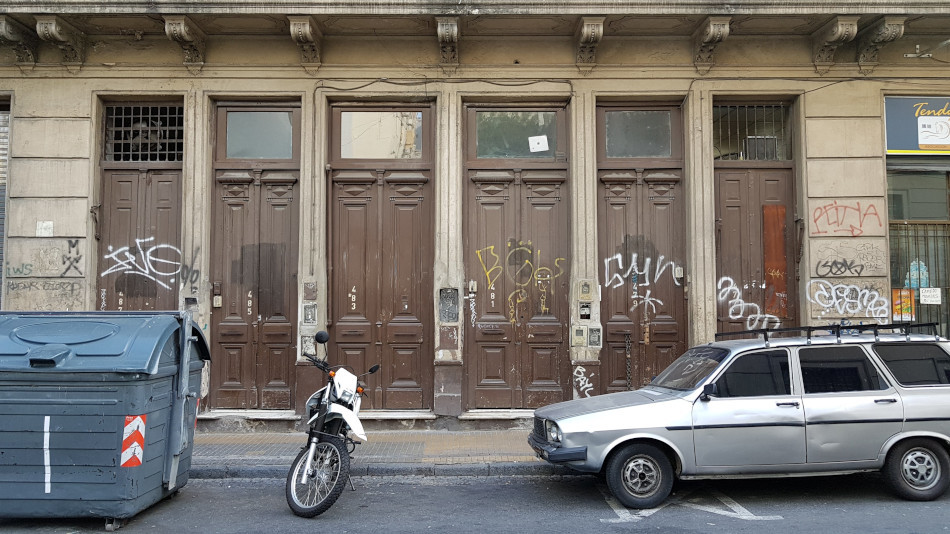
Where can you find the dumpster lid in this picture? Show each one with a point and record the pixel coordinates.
(119, 342)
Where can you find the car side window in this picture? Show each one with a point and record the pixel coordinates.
(837, 369)
(915, 364)
(756, 374)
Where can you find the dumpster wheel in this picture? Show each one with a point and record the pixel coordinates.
(114, 523)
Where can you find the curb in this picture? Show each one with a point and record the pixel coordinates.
(391, 470)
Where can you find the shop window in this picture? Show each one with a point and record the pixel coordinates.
(751, 132)
(919, 212)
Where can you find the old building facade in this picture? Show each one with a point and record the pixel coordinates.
(505, 205)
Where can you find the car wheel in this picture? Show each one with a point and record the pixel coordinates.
(918, 469)
(640, 476)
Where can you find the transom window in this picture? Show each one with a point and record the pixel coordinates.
(751, 132)
(144, 133)
(516, 134)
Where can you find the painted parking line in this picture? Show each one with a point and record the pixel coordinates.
(734, 509)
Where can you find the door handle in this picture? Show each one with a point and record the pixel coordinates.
(885, 401)
(793, 403)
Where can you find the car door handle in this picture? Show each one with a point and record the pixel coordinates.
(793, 403)
(885, 401)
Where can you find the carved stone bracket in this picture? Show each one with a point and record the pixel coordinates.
(20, 38)
(711, 32)
(825, 42)
(589, 33)
(448, 32)
(70, 41)
(183, 31)
(871, 42)
(306, 33)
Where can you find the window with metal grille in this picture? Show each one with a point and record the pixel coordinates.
(919, 212)
(153, 132)
(757, 132)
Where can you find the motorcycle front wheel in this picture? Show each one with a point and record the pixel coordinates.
(324, 482)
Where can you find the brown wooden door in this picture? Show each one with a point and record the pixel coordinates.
(381, 250)
(140, 234)
(381, 292)
(517, 262)
(642, 249)
(756, 249)
(254, 289)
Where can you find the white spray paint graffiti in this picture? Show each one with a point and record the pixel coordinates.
(617, 274)
(582, 382)
(848, 299)
(157, 263)
(739, 308)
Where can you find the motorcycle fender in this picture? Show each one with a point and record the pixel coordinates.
(356, 427)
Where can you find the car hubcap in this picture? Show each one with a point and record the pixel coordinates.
(641, 476)
(920, 469)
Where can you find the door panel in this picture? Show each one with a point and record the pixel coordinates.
(756, 249)
(518, 270)
(382, 282)
(254, 265)
(643, 253)
(139, 249)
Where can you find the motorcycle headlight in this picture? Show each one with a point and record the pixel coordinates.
(553, 432)
(346, 397)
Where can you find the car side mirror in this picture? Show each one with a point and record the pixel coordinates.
(709, 390)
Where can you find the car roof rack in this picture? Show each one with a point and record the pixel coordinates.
(835, 329)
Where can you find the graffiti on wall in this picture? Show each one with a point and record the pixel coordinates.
(581, 382)
(849, 257)
(738, 308)
(846, 217)
(640, 273)
(533, 276)
(849, 298)
(158, 265)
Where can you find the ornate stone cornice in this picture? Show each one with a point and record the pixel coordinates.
(20, 38)
(710, 33)
(871, 41)
(840, 30)
(448, 32)
(70, 41)
(589, 33)
(183, 31)
(306, 33)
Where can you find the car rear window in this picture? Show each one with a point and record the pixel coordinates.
(915, 364)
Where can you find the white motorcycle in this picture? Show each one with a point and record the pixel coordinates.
(322, 468)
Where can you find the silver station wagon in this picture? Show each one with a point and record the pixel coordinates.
(877, 398)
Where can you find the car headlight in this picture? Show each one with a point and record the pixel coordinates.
(552, 431)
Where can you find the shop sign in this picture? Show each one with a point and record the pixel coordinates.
(917, 124)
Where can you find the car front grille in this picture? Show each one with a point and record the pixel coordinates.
(539, 429)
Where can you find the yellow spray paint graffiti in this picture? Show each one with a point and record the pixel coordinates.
(523, 266)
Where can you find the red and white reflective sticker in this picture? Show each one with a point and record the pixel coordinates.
(133, 441)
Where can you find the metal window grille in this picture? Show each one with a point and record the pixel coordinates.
(751, 132)
(144, 133)
(920, 257)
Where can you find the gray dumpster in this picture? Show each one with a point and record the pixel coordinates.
(97, 411)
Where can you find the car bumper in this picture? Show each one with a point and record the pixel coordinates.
(557, 455)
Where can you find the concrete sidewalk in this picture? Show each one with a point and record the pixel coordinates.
(385, 453)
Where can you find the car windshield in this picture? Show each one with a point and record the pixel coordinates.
(691, 368)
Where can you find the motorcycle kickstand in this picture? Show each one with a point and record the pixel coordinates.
(350, 480)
